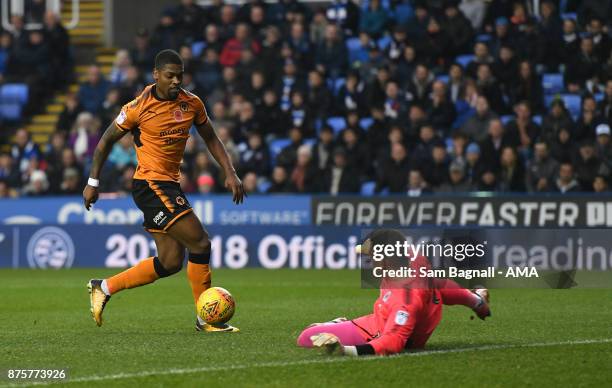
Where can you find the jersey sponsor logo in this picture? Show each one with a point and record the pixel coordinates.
(401, 317)
(178, 115)
(159, 218)
(121, 117)
(184, 106)
(180, 201)
(50, 247)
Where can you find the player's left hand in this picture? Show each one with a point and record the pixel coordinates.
(233, 184)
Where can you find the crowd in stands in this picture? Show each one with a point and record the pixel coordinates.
(404, 97)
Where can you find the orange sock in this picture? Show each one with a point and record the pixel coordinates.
(139, 275)
(199, 278)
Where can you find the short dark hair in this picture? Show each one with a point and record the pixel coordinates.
(167, 57)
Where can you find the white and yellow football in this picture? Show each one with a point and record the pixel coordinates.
(216, 305)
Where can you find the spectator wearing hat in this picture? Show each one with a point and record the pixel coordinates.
(557, 118)
(37, 184)
(604, 146)
(206, 184)
(587, 165)
(458, 182)
(541, 169)
(458, 28)
(474, 167)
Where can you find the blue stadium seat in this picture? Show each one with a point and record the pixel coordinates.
(403, 13)
(465, 60)
(197, 48)
(276, 146)
(10, 111)
(484, 38)
(353, 44)
(384, 42)
(506, 119)
(552, 83)
(310, 141)
(443, 77)
(537, 119)
(338, 84)
(569, 15)
(337, 123)
(599, 97)
(14, 93)
(366, 122)
(263, 185)
(367, 188)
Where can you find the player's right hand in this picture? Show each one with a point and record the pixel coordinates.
(90, 196)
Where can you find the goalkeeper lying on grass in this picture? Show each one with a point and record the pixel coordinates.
(405, 314)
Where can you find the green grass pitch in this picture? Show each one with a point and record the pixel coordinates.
(536, 337)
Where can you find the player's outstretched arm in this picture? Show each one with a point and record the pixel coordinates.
(218, 151)
(109, 138)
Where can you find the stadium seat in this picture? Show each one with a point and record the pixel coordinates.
(353, 44)
(197, 48)
(263, 185)
(384, 42)
(366, 122)
(465, 60)
(10, 111)
(506, 119)
(443, 77)
(367, 188)
(337, 123)
(537, 119)
(569, 15)
(310, 141)
(484, 38)
(552, 83)
(338, 84)
(599, 97)
(14, 93)
(276, 146)
(403, 13)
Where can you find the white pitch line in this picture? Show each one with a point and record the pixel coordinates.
(272, 364)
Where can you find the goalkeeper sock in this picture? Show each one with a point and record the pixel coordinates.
(145, 272)
(198, 273)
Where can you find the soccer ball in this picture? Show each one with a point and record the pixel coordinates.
(216, 305)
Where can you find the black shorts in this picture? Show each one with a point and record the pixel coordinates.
(161, 202)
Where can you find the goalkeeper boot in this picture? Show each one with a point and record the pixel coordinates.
(216, 328)
(482, 310)
(97, 299)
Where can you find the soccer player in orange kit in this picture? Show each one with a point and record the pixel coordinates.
(160, 120)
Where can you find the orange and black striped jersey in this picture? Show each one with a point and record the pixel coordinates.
(160, 129)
